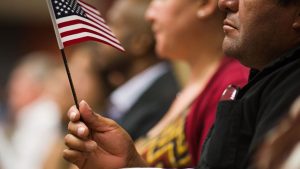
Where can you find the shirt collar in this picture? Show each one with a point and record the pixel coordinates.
(287, 57)
(255, 75)
(126, 95)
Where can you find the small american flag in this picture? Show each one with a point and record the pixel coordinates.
(76, 21)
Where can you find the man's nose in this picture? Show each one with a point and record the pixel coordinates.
(231, 6)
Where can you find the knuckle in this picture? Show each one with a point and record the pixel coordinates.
(70, 110)
(109, 121)
(70, 124)
(68, 138)
(66, 155)
(112, 123)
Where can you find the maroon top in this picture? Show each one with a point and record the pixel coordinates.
(202, 113)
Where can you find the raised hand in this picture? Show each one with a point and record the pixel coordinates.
(98, 142)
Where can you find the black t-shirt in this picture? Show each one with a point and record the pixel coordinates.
(242, 123)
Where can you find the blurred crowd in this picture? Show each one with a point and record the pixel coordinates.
(33, 138)
(163, 91)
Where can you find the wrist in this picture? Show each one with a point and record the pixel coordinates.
(135, 159)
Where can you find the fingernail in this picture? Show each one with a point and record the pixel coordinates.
(80, 131)
(72, 115)
(86, 104)
(82, 102)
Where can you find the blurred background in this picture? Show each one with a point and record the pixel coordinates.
(36, 85)
(26, 26)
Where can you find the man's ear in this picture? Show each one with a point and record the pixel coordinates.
(206, 8)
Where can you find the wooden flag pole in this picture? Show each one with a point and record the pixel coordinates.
(69, 77)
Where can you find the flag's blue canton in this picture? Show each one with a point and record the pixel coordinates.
(63, 8)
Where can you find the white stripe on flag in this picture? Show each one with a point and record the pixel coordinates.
(75, 17)
(79, 26)
(88, 7)
(97, 21)
(86, 34)
(94, 15)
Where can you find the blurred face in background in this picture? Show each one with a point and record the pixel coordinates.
(58, 89)
(173, 23)
(87, 82)
(126, 19)
(23, 88)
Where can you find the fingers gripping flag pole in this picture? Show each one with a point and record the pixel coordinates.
(76, 21)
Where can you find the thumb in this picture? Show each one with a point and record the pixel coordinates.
(93, 120)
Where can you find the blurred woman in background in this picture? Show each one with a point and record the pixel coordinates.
(31, 130)
(190, 31)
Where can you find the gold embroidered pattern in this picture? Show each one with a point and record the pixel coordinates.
(170, 148)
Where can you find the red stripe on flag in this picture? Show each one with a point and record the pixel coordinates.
(100, 19)
(76, 31)
(77, 21)
(88, 5)
(91, 12)
(93, 19)
(88, 38)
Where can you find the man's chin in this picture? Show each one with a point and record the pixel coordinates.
(232, 50)
(229, 49)
(235, 55)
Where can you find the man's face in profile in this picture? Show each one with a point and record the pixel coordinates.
(255, 28)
